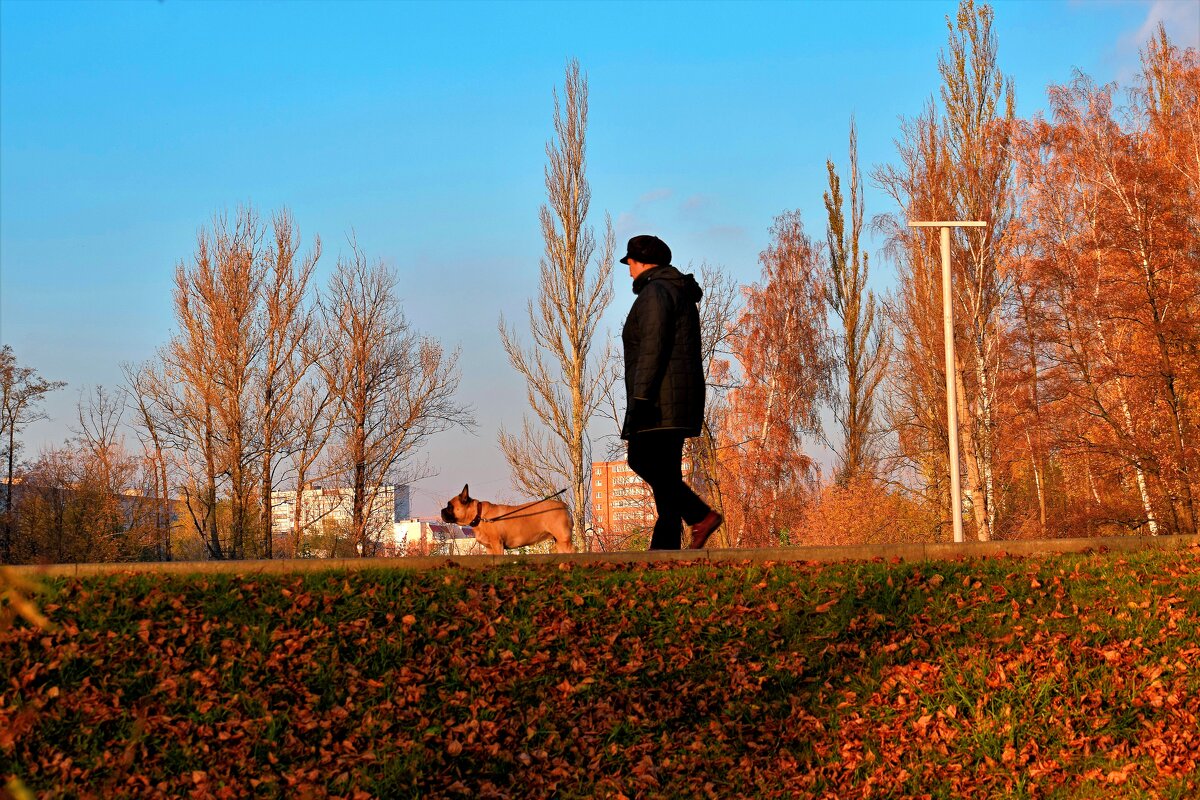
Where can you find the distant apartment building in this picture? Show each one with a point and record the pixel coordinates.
(621, 501)
(322, 508)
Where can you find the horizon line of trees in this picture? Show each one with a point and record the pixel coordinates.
(1077, 332)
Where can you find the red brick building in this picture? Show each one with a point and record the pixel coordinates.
(621, 501)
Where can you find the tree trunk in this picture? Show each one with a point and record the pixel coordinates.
(210, 498)
(1037, 480)
(298, 516)
(8, 493)
(1174, 402)
(163, 513)
(974, 483)
(1147, 507)
(359, 510)
(267, 505)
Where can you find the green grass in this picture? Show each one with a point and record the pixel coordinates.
(1065, 676)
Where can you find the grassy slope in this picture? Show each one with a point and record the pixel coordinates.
(1067, 676)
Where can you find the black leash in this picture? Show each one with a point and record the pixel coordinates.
(479, 515)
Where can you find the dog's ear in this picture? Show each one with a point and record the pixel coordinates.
(465, 496)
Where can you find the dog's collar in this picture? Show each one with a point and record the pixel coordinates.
(478, 514)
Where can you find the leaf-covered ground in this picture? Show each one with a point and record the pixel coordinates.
(1067, 676)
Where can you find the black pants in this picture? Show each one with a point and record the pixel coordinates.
(657, 458)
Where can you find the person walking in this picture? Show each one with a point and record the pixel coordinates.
(664, 389)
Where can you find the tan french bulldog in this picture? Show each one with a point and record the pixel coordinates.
(502, 527)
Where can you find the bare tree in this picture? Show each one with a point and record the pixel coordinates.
(122, 513)
(288, 322)
(144, 384)
(223, 399)
(315, 416)
(210, 368)
(83, 502)
(861, 348)
(564, 385)
(393, 387)
(187, 397)
(99, 418)
(22, 390)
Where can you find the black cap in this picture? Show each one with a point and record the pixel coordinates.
(648, 250)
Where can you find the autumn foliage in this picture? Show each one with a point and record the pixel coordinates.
(781, 344)
(864, 511)
(1070, 676)
(1076, 309)
(1108, 282)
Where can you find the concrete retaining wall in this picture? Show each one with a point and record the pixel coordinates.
(902, 552)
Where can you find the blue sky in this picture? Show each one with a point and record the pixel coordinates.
(421, 127)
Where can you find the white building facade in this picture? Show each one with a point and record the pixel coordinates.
(323, 508)
(419, 537)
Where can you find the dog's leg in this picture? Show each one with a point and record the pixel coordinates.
(562, 539)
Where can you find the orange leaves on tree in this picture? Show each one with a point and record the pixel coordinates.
(782, 345)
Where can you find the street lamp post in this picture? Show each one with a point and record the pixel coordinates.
(948, 333)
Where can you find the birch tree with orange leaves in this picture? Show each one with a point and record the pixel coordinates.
(782, 345)
(1112, 208)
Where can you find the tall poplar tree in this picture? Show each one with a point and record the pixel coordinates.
(860, 348)
(957, 164)
(564, 384)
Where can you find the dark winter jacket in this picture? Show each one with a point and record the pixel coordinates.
(664, 371)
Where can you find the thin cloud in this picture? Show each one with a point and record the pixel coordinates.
(627, 224)
(695, 216)
(1180, 18)
(624, 220)
(654, 195)
(635, 220)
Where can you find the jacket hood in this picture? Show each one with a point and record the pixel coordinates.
(686, 283)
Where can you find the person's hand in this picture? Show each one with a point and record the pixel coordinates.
(643, 414)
